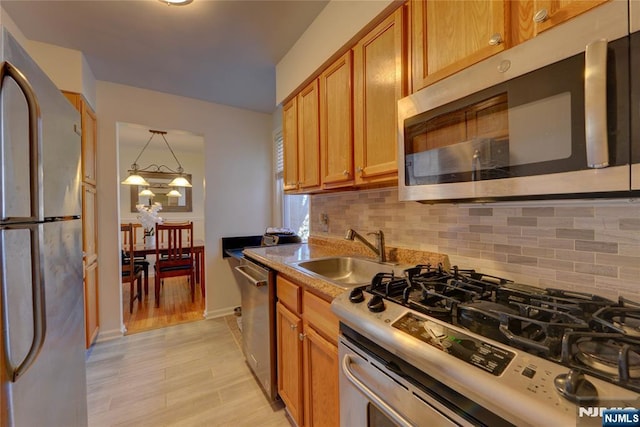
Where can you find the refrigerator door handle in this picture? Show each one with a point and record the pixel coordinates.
(38, 305)
(37, 211)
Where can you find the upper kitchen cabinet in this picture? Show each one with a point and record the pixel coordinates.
(379, 82)
(336, 124)
(89, 136)
(531, 17)
(450, 35)
(309, 137)
(301, 132)
(290, 144)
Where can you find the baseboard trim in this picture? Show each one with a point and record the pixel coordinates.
(109, 335)
(218, 313)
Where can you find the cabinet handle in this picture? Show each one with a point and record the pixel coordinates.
(541, 16)
(293, 327)
(495, 39)
(301, 336)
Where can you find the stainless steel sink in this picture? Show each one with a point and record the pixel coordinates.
(346, 271)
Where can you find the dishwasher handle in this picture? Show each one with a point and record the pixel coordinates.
(256, 281)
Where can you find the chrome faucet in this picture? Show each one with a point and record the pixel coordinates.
(378, 249)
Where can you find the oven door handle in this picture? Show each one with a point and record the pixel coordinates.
(370, 394)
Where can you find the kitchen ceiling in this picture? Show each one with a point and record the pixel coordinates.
(220, 51)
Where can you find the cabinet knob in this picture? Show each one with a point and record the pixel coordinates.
(359, 169)
(495, 39)
(293, 327)
(541, 16)
(301, 336)
(345, 172)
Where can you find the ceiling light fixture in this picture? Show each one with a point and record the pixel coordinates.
(134, 177)
(176, 2)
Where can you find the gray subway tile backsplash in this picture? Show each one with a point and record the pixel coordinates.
(583, 246)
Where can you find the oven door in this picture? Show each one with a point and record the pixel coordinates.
(373, 396)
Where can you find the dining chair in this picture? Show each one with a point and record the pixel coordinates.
(140, 260)
(174, 255)
(131, 272)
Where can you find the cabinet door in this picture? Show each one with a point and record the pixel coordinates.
(336, 124)
(309, 137)
(290, 144)
(320, 380)
(450, 35)
(379, 82)
(289, 328)
(89, 139)
(531, 17)
(92, 314)
(89, 221)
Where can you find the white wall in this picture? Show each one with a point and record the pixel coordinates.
(338, 23)
(67, 68)
(238, 175)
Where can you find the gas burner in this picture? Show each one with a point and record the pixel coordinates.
(605, 357)
(624, 320)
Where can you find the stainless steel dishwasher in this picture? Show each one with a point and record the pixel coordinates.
(257, 289)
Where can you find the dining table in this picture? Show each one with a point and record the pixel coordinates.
(140, 249)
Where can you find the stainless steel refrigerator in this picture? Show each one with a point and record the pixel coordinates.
(42, 346)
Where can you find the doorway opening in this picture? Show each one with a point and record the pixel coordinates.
(175, 305)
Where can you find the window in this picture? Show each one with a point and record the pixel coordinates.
(293, 209)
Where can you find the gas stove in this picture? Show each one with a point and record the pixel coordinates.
(545, 354)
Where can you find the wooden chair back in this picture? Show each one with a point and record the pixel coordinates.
(174, 255)
(136, 236)
(186, 236)
(130, 270)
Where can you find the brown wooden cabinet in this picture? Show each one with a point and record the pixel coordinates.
(380, 80)
(307, 334)
(289, 326)
(531, 17)
(89, 215)
(301, 132)
(336, 124)
(309, 137)
(450, 35)
(290, 144)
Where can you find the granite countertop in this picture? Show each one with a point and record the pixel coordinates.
(280, 258)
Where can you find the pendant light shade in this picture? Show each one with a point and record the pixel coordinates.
(174, 193)
(135, 179)
(146, 193)
(179, 181)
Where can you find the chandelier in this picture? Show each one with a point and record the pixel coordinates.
(135, 178)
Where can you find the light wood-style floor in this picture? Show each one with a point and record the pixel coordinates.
(192, 374)
(175, 306)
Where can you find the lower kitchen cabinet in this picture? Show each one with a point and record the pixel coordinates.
(307, 356)
(289, 361)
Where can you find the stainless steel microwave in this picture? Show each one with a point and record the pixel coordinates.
(549, 118)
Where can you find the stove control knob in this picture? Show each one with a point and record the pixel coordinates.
(376, 304)
(356, 296)
(575, 387)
